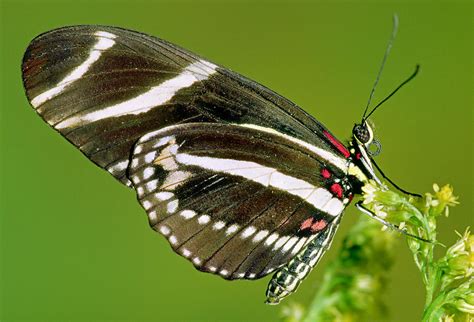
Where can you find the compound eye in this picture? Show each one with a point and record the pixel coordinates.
(362, 133)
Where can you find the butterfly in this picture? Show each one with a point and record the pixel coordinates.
(241, 181)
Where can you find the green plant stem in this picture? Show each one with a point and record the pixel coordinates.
(321, 301)
(319, 306)
(433, 311)
(429, 288)
(430, 272)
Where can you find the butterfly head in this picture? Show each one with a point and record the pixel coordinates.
(362, 142)
(363, 133)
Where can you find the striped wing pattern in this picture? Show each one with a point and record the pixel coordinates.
(234, 175)
(104, 87)
(231, 198)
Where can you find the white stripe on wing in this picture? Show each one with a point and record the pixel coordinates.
(318, 197)
(106, 40)
(339, 162)
(156, 96)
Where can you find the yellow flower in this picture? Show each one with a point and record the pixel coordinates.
(369, 190)
(378, 210)
(445, 196)
(470, 250)
(460, 256)
(429, 200)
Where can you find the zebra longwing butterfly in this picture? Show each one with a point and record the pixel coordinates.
(241, 181)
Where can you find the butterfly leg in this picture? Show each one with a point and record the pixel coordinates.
(371, 214)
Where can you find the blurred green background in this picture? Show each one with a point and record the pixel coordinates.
(75, 244)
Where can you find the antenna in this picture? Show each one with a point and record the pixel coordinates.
(417, 68)
(387, 51)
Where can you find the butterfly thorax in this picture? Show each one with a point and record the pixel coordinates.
(360, 169)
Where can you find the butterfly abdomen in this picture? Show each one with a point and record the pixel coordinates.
(287, 279)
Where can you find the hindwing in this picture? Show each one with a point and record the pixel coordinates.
(233, 199)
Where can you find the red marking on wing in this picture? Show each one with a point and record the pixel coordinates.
(306, 224)
(336, 188)
(338, 145)
(318, 226)
(325, 173)
(358, 155)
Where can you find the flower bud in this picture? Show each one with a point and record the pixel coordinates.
(460, 257)
(463, 306)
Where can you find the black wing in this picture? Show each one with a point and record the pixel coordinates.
(104, 87)
(235, 200)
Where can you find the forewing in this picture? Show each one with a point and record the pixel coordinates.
(103, 88)
(233, 199)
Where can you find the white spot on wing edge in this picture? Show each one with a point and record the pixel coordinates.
(187, 214)
(138, 149)
(204, 219)
(151, 185)
(134, 163)
(148, 172)
(164, 195)
(136, 180)
(118, 166)
(144, 102)
(268, 271)
(147, 204)
(152, 216)
(173, 240)
(249, 231)
(185, 252)
(165, 230)
(172, 206)
(105, 42)
(232, 229)
(260, 236)
(149, 157)
(218, 225)
(271, 239)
